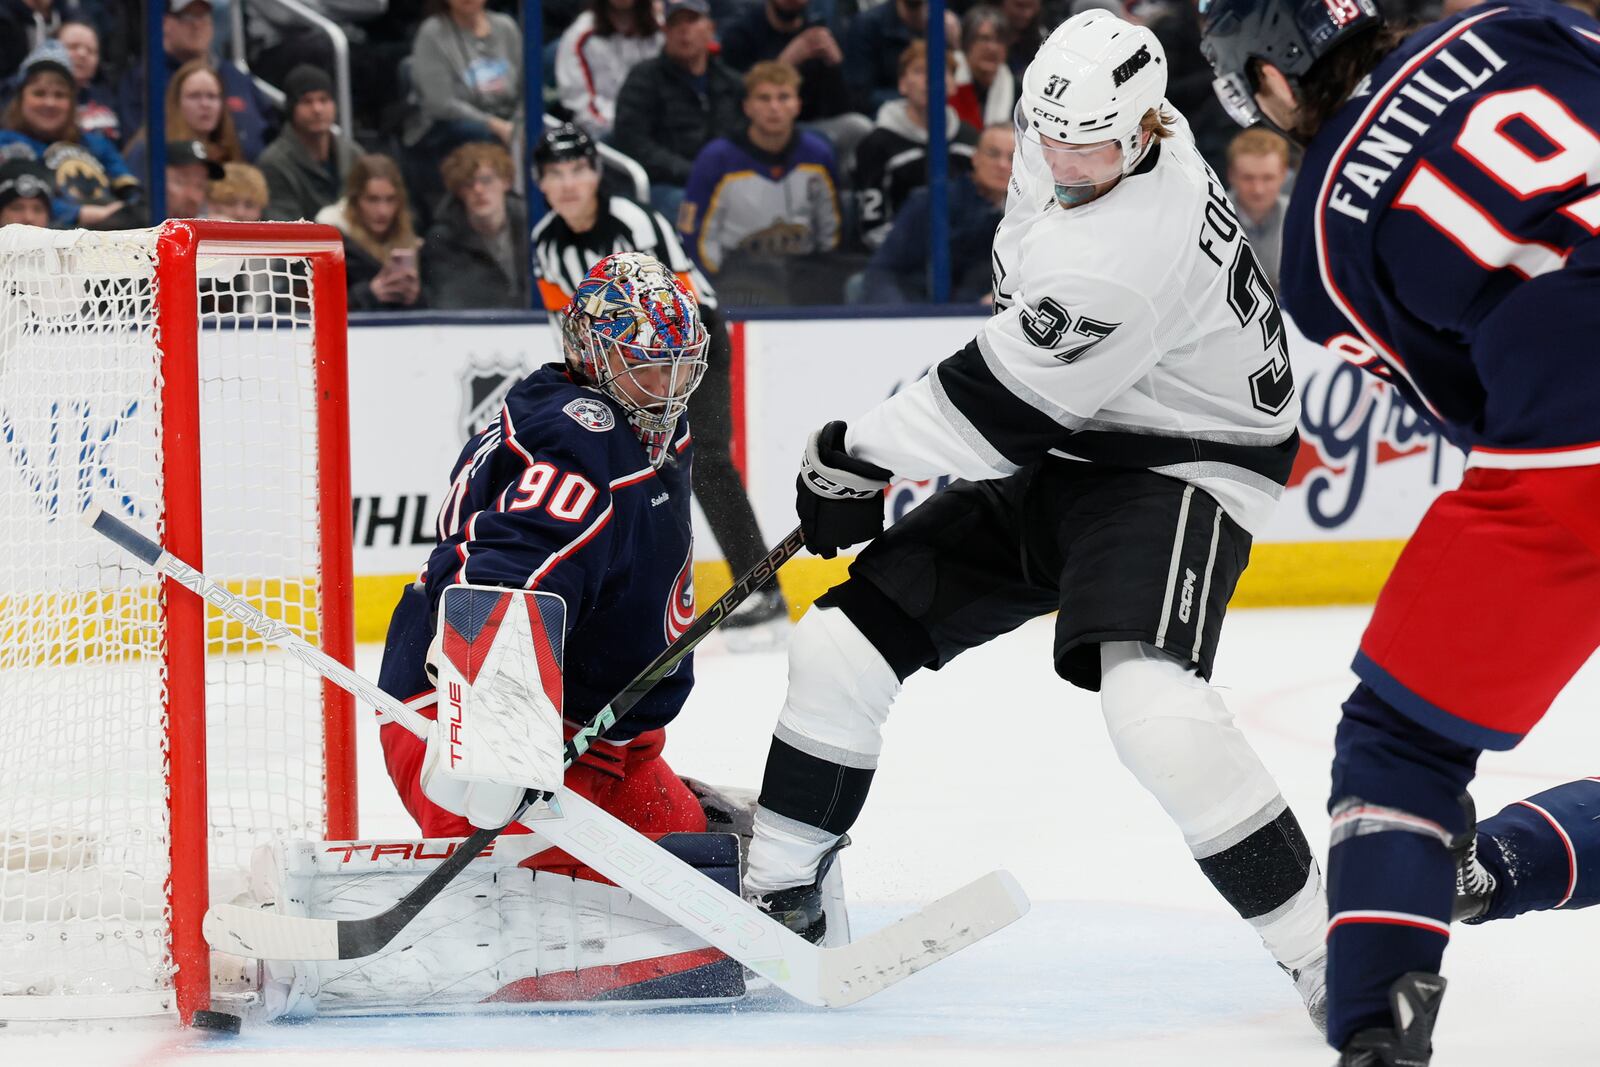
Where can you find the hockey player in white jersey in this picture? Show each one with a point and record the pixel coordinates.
(1123, 425)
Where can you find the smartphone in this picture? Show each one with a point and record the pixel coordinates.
(403, 260)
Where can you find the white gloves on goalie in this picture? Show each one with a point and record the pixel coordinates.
(496, 659)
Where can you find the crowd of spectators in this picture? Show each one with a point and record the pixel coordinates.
(786, 141)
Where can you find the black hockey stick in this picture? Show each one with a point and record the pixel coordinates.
(363, 937)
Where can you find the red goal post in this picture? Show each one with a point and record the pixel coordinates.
(191, 377)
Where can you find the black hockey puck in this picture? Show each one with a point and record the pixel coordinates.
(220, 1022)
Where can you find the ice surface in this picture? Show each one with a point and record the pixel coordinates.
(1128, 958)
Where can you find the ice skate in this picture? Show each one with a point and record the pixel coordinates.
(1414, 999)
(1311, 982)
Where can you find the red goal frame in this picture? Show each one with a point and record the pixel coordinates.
(177, 317)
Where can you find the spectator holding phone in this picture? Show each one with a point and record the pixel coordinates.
(380, 246)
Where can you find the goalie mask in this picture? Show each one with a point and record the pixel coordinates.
(633, 332)
(1083, 102)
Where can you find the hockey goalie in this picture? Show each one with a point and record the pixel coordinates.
(563, 566)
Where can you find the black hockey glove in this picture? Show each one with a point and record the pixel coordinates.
(839, 497)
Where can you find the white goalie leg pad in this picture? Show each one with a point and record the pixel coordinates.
(498, 938)
(497, 654)
(1172, 730)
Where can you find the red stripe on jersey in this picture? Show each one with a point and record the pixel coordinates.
(588, 75)
(582, 539)
(1586, 455)
(1388, 918)
(633, 479)
(1324, 267)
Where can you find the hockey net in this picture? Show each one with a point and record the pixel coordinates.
(191, 380)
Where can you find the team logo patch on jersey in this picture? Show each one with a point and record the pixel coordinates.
(592, 415)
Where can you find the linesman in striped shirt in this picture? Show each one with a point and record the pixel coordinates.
(583, 226)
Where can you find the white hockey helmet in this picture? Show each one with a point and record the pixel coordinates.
(1083, 99)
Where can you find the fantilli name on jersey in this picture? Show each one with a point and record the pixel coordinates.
(1135, 330)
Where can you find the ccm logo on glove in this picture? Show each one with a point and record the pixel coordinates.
(839, 498)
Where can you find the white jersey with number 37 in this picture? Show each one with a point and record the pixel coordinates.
(1135, 330)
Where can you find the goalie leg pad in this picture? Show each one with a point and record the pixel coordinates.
(500, 937)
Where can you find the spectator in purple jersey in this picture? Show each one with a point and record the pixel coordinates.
(761, 203)
(97, 101)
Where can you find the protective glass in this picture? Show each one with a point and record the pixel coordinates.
(1238, 99)
(1075, 170)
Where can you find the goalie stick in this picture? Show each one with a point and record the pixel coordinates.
(831, 977)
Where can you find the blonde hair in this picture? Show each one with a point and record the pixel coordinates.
(1258, 142)
(460, 166)
(378, 166)
(1157, 122)
(241, 183)
(771, 72)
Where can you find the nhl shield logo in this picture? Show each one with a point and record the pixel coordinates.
(484, 385)
(593, 415)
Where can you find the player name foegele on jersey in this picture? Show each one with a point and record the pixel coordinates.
(1139, 331)
(1451, 210)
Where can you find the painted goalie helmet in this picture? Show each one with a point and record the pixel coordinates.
(633, 332)
(1084, 97)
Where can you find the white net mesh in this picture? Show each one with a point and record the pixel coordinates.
(84, 823)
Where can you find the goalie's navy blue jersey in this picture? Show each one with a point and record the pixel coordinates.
(558, 495)
(1444, 228)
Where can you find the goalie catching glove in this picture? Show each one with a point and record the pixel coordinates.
(839, 497)
(496, 659)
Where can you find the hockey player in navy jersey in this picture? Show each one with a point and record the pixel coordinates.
(1444, 225)
(581, 489)
(1122, 425)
